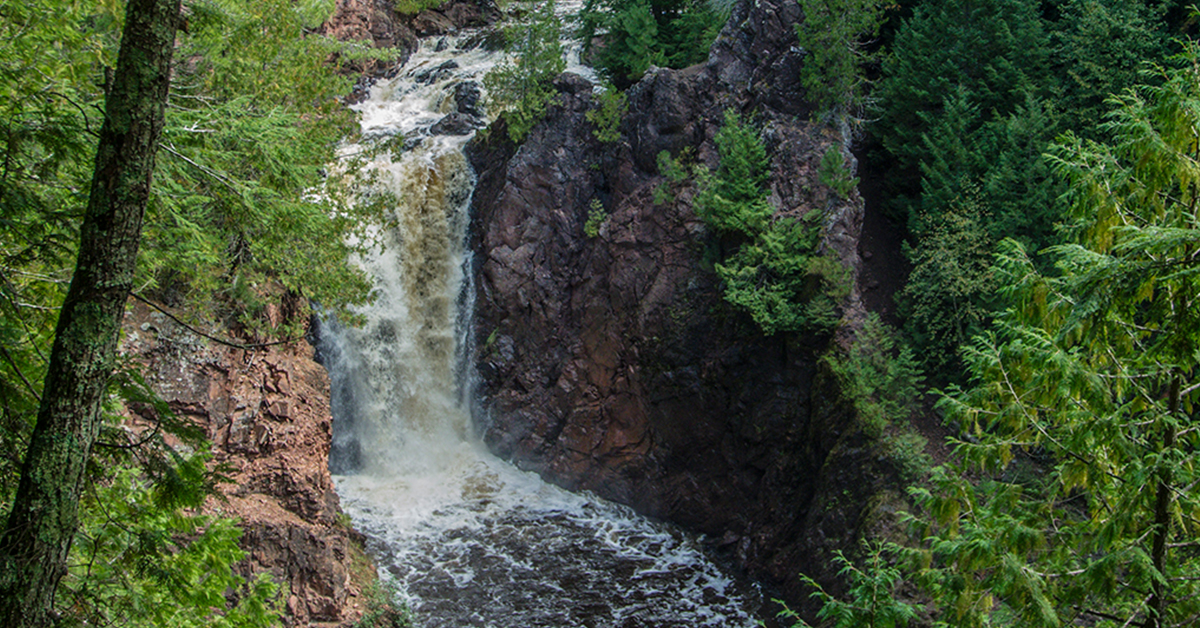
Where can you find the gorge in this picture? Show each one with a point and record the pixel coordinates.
(608, 365)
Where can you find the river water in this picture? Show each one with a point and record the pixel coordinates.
(468, 539)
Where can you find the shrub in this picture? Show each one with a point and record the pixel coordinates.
(522, 87)
(596, 218)
(642, 33)
(607, 116)
(776, 275)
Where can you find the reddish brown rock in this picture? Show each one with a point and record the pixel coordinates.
(613, 364)
(267, 414)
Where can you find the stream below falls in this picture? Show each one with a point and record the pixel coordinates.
(467, 539)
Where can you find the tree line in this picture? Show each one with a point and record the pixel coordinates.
(179, 153)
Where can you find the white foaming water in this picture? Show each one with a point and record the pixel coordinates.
(469, 539)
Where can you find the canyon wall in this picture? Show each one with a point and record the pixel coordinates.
(613, 364)
(266, 412)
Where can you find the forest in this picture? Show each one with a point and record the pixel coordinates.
(1040, 159)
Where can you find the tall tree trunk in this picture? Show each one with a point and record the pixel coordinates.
(1157, 604)
(44, 517)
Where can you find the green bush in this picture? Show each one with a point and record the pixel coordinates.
(878, 374)
(776, 275)
(951, 287)
(641, 33)
(870, 597)
(733, 200)
(383, 611)
(596, 218)
(834, 174)
(522, 86)
(607, 116)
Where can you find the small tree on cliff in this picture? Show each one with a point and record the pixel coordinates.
(522, 86)
(775, 276)
(43, 520)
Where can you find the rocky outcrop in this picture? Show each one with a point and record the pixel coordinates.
(266, 412)
(377, 24)
(612, 363)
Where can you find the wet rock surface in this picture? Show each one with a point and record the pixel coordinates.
(377, 24)
(266, 412)
(613, 364)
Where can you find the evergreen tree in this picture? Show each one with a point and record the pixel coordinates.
(1099, 48)
(990, 52)
(832, 35)
(1087, 383)
(776, 275)
(522, 86)
(640, 33)
(45, 513)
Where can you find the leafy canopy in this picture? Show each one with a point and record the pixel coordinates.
(522, 86)
(1083, 400)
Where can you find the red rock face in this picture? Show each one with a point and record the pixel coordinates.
(613, 364)
(267, 414)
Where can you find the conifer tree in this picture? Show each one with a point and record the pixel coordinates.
(1084, 396)
(45, 513)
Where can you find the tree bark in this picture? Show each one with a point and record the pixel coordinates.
(42, 523)
(1157, 604)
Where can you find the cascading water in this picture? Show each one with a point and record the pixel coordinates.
(468, 539)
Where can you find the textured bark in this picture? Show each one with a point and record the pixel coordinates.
(43, 521)
(1157, 604)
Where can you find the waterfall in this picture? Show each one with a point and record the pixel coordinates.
(468, 539)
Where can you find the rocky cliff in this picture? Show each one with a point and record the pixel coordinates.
(612, 363)
(376, 24)
(266, 412)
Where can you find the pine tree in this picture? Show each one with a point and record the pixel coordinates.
(1082, 408)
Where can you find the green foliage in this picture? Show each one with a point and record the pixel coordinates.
(523, 85)
(950, 289)
(776, 275)
(871, 594)
(990, 51)
(596, 217)
(675, 172)
(607, 117)
(642, 33)
(673, 168)
(383, 611)
(50, 53)
(834, 174)
(878, 374)
(734, 200)
(240, 196)
(971, 96)
(1100, 48)
(781, 282)
(832, 35)
(238, 201)
(143, 558)
(413, 7)
(1088, 376)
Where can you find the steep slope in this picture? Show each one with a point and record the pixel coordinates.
(266, 412)
(613, 364)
